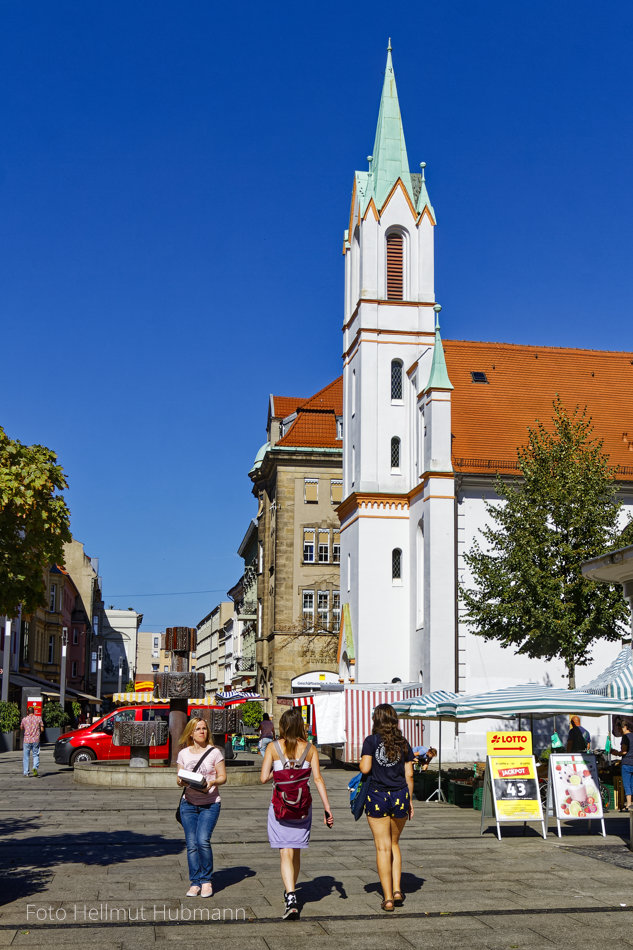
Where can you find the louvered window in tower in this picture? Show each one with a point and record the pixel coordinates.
(395, 266)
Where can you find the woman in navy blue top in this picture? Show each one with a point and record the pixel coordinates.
(388, 760)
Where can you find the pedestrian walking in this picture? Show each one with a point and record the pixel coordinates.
(290, 761)
(33, 727)
(200, 808)
(266, 733)
(387, 758)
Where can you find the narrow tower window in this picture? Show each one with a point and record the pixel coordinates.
(395, 266)
(395, 453)
(396, 564)
(396, 379)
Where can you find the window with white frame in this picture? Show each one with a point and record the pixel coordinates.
(336, 609)
(311, 491)
(396, 565)
(323, 609)
(339, 427)
(336, 491)
(396, 380)
(324, 546)
(336, 547)
(308, 545)
(155, 667)
(395, 454)
(307, 609)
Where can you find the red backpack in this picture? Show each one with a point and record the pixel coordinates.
(291, 792)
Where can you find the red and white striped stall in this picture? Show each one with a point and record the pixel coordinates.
(359, 702)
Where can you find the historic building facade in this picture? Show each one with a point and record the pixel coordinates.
(427, 428)
(297, 480)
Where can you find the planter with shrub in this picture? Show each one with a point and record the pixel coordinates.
(55, 719)
(9, 723)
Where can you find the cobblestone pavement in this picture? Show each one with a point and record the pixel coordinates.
(107, 868)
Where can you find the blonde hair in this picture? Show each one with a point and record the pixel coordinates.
(186, 738)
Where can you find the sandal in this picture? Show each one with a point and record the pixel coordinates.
(398, 898)
(387, 905)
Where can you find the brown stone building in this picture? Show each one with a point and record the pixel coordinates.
(297, 478)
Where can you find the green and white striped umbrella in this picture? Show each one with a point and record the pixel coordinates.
(426, 706)
(617, 680)
(531, 699)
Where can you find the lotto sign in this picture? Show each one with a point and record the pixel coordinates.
(515, 788)
(509, 743)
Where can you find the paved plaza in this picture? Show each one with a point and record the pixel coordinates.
(106, 868)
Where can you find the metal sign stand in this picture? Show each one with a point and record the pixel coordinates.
(490, 812)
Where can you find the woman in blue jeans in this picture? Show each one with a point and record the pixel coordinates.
(200, 808)
(626, 751)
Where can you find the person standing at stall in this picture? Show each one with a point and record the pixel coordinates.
(266, 733)
(626, 751)
(387, 758)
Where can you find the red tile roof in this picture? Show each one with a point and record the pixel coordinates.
(315, 425)
(285, 405)
(490, 420)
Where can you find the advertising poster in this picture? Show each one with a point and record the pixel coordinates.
(575, 786)
(35, 701)
(509, 743)
(515, 788)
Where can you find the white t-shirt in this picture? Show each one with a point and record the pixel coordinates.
(188, 759)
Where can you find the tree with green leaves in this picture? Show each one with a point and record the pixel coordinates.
(34, 522)
(529, 591)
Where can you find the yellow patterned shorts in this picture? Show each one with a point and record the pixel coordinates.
(387, 802)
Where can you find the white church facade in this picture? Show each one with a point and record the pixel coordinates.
(427, 427)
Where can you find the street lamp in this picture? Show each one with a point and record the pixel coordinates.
(99, 662)
(62, 672)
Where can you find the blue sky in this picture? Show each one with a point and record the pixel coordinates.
(173, 176)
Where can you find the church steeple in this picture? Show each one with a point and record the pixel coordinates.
(389, 158)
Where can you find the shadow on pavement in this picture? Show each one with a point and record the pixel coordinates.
(226, 877)
(311, 892)
(28, 864)
(410, 884)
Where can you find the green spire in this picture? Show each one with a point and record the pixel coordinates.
(423, 198)
(438, 377)
(389, 159)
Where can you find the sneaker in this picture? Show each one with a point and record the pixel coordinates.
(34, 773)
(291, 908)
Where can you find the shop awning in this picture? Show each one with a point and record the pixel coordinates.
(617, 680)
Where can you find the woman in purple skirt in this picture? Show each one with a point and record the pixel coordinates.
(291, 835)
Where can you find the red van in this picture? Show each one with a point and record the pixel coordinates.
(95, 741)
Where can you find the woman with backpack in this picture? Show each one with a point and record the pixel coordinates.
(290, 761)
(388, 760)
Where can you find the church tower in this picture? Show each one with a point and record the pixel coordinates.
(388, 352)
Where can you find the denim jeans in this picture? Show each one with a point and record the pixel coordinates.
(27, 748)
(266, 740)
(198, 822)
(627, 779)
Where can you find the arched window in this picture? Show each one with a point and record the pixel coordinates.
(396, 564)
(396, 379)
(395, 266)
(395, 453)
